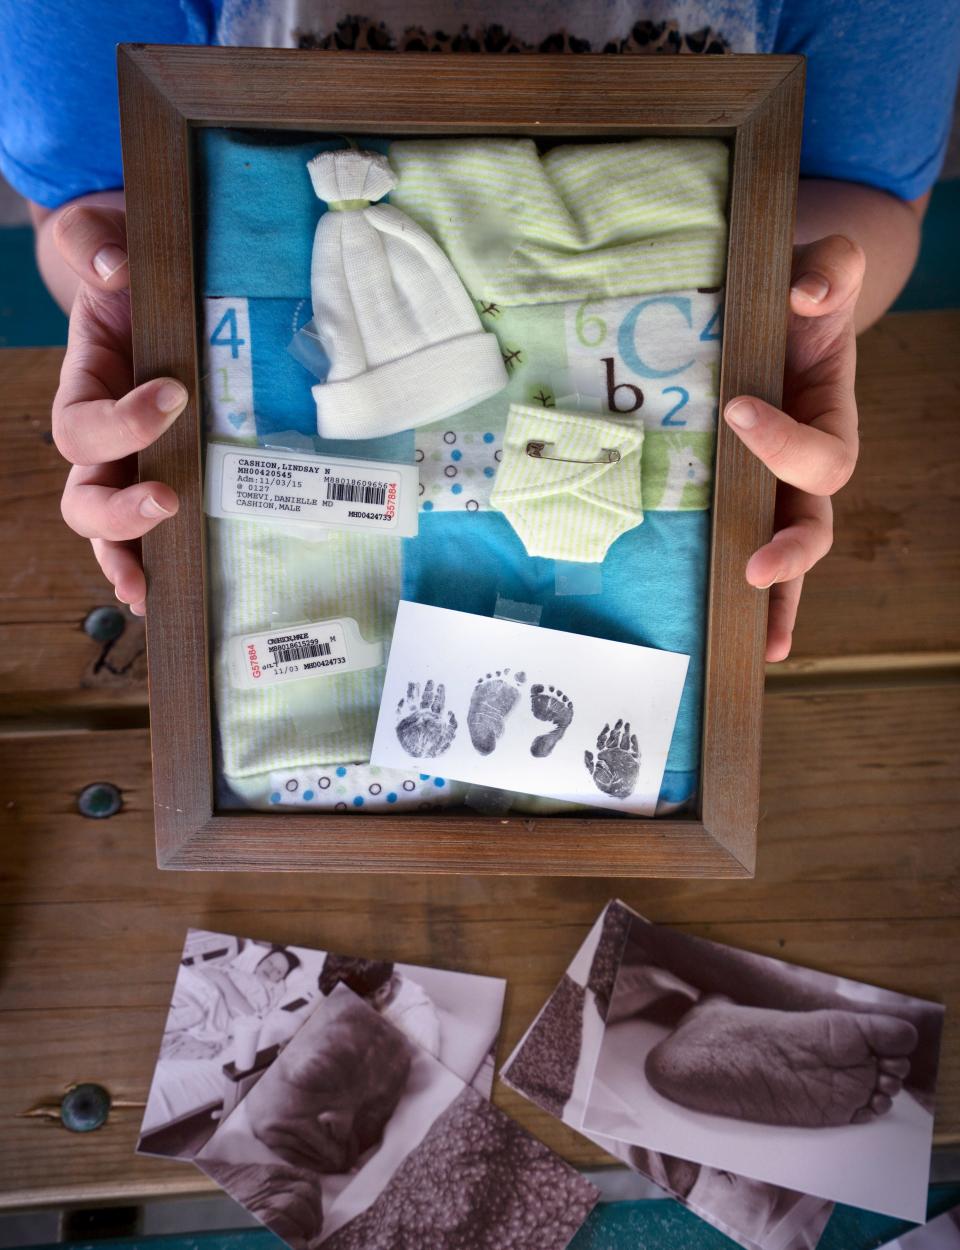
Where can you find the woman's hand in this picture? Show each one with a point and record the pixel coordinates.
(99, 421)
(812, 450)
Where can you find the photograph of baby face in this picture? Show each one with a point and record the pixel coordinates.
(776, 1072)
(553, 1066)
(358, 1139)
(238, 1002)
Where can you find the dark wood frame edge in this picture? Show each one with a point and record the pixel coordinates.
(754, 101)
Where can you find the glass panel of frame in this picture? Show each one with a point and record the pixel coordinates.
(473, 374)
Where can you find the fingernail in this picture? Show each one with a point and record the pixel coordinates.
(150, 509)
(742, 413)
(138, 609)
(108, 260)
(171, 397)
(812, 286)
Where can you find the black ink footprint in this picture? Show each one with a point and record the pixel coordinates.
(493, 699)
(618, 761)
(550, 705)
(424, 730)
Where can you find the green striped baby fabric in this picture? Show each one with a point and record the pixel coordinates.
(601, 219)
(261, 575)
(569, 483)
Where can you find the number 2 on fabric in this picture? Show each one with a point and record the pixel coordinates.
(681, 403)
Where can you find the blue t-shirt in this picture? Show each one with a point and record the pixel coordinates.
(881, 74)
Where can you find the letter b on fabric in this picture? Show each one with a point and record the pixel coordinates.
(613, 386)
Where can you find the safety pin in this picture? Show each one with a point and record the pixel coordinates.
(608, 455)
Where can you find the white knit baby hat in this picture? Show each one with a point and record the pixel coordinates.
(404, 340)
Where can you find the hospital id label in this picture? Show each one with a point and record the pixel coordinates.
(296, 652)
(324, 491)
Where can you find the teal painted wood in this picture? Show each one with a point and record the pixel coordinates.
(647, 1225)
(28, 316)
(935, 282)
(653, 1225)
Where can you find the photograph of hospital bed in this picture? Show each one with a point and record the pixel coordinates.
(237, 1002)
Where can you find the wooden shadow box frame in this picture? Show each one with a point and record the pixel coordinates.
(753, 102)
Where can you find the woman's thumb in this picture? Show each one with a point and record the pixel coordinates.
(93, 242)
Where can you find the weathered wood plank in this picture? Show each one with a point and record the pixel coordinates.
(892, 582)
(859, 869)
(49, 580)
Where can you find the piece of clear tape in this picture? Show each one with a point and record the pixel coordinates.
(576, 391)
(307, 349)
(294, 440)
(514, 610)
(575, 578)
(288, 440)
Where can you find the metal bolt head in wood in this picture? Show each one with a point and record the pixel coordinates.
(84, 1108)
(99, 800)
(104, 624)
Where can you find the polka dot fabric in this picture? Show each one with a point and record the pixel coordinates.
(361, 788)
(457, 468)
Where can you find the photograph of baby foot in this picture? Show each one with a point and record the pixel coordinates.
(554, 1063)
(424, 729)
(493, 699)
(553, 706)
(762, 1068)
(617, 764)
(814, 1069)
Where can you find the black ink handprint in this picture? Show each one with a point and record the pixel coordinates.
(424, 729)
(617, 765)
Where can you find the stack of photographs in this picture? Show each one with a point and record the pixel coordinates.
(345, 1102)
(756, 1092)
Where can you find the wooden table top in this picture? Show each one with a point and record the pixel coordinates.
(859, 850)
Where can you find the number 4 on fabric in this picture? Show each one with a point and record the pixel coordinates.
(228, 322)
(228, 369)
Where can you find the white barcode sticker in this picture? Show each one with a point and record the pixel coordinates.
(324, 491)
(295, 652)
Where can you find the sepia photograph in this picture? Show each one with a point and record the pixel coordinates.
(942, 1233)
(781, 1073)
(553, 1066)
(359, 1139)
(238, 1002)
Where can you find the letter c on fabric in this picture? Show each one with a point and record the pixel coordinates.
(626, 341)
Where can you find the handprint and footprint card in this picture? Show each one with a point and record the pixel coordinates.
(519, 707)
